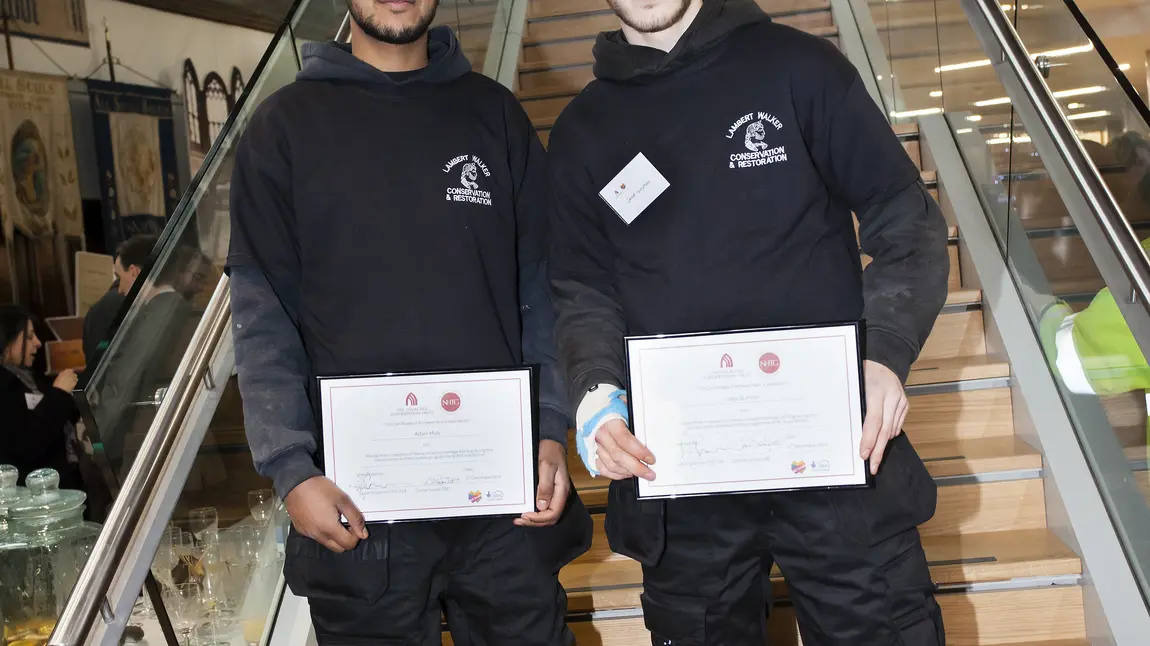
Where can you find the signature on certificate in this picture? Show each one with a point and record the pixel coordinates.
(694, 449)
(366, 485)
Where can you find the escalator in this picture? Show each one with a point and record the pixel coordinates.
(1043, 528)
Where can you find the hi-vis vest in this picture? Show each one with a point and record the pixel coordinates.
(1093, 351)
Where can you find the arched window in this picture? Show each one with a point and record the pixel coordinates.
(237, 86)
(192, 107)
(216, 104)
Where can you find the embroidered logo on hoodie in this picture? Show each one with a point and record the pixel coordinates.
(755, 148)
(467, 170)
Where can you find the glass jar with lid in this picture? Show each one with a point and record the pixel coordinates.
(41, 556)
(10, 494)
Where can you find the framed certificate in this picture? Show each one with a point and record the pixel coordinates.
(749, 411)
(431, 446)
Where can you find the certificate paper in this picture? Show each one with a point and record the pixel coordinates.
(431, 446)
(760, 410)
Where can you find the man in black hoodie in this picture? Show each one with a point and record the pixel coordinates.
(389, 215)
(767, 141)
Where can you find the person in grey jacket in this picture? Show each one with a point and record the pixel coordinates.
(767, 141)
(346, 259)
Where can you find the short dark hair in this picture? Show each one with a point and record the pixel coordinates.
(136, 250)
(14, 326)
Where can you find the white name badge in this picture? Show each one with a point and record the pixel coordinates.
(634, 188)
(33, 400)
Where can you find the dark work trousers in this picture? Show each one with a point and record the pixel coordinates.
(853, 561)
(496, 583)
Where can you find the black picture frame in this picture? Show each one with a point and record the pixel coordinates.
(533, 376)
(860, 340)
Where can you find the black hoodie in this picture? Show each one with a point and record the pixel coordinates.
(769, 141)
(384, 223)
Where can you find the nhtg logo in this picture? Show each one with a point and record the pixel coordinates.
(756, 149)
(468, 168)
(769, 363)
(450, 402)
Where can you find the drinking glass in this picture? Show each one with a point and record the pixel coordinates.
(186, 567)
(204, 523)
(185, 605)
(261, 502)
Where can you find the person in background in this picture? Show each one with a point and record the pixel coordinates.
(39, 417)
(1093, 352)
(131, 258)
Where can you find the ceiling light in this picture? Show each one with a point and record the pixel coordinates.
(1004, 139)
(974, 117)
(1061, 94)
(954, 67)
(988, 102)
(1079, 91)
(1007, 7)
(1124, 66)
(1073, 106)
(1088, 115)
(1054, 53)
(964, 131)
(936, 93)
(916, 113)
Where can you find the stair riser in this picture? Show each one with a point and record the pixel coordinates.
(970, 508)
(979, 619)
(588, 26)
(959, 334)
(553, 8)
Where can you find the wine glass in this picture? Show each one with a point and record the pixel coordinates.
(261, 502)
(204, 523)
(186, 567)
(185, 605)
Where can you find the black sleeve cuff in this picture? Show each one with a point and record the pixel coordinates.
(891, 351)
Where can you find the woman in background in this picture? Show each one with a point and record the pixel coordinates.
(37, 418)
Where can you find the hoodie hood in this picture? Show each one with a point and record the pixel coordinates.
(618, 60)
(334, 61)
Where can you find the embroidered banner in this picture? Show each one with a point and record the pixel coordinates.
(63, 21)
(41, 188)
(136, 154)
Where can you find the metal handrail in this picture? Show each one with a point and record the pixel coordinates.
(90, 596)
(1035, 98)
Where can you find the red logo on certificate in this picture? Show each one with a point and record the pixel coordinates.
(769, 363)
(450, 402)
(412, 400)
(726, 362)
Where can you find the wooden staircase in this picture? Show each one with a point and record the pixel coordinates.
(1003, 577)
(555, 60)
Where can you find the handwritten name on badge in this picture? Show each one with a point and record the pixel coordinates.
(634, 188)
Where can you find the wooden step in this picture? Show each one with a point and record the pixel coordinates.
(967, 508)
(615, 582)
(1050, 616)
(559, 8)
(960, 334)
(589, 24)
(957, 416)
(942, 460)
(936, 371)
